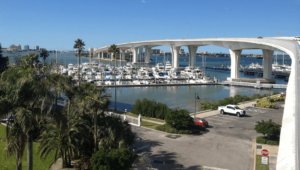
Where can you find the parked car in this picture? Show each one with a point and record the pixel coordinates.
(232, 109)
(201, 121)
(282, 95)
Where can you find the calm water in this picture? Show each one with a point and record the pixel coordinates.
(181, 96)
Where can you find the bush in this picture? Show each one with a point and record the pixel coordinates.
(269, 129)
(264, 140)
(277, 99)
(265, 103)
(194, 129)
(150, 108)
(179, 119)
(137, 107)
(113, 160)
(161, 111)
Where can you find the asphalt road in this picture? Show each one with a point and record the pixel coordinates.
(226, 145)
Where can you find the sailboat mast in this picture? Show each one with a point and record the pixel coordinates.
(282, 58)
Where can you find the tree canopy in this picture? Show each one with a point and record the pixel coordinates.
(268, 128)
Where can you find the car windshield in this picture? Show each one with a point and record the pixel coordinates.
(236, 107)
(203, 120)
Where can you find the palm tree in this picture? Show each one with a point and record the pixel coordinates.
(63, 138)
(44, 54)
(15, 138)
(25, 89)
(79, 45)
(115, 133)
(93, 99)
(113, 49)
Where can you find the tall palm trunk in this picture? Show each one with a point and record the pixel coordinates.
(56, 100)
(79, 68)
(29, 151)
(115, 86)
(18, 165)
(95, 132)
(64, 160)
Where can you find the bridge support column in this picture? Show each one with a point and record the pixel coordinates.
(134, 54)
(99, 55)
(192, 53)
(235, 56)
(268, 56)
(175, 55)
(123, 55)
(147, 54)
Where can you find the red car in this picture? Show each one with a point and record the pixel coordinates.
(201, 121)
(282, 95)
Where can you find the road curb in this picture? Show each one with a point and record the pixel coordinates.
(254, 153)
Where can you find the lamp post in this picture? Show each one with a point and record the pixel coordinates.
(196, 97)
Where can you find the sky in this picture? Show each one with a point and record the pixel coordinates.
(56, 24)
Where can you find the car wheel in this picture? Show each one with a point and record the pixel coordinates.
(238, 114)
(222, 112)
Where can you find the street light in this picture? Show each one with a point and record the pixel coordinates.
(196, 97)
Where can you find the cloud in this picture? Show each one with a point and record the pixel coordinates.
(143, 1)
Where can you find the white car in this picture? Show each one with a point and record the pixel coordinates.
(232, 109)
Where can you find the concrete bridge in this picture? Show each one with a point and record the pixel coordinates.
(289, 148)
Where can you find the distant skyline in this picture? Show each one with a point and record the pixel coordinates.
(57, 24)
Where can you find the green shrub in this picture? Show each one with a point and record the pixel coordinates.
(264, 140)
(150, 108)
(161, 111)
(277, 99)
(179, 119)
(113, 160)
(265, 103)
(137, 107)
(194, 129)
(269, 129)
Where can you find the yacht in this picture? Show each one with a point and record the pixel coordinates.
(168, 66)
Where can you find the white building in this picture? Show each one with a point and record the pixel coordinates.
(181, 51)
(36, 47)
(91, 50)
(26, 47)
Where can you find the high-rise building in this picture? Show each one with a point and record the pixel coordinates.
(18, 47)
(181, 51)
(36, 47)
(26, 47)
(155, 51)
(91, 49)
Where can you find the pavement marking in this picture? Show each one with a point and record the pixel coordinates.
(142, 161)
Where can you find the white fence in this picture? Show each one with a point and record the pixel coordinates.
(131, 120)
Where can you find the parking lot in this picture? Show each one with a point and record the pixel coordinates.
(227, 144)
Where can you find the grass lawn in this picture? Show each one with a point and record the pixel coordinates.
(144, 117)
(149, 125)
(8, 164)
(260, 166)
